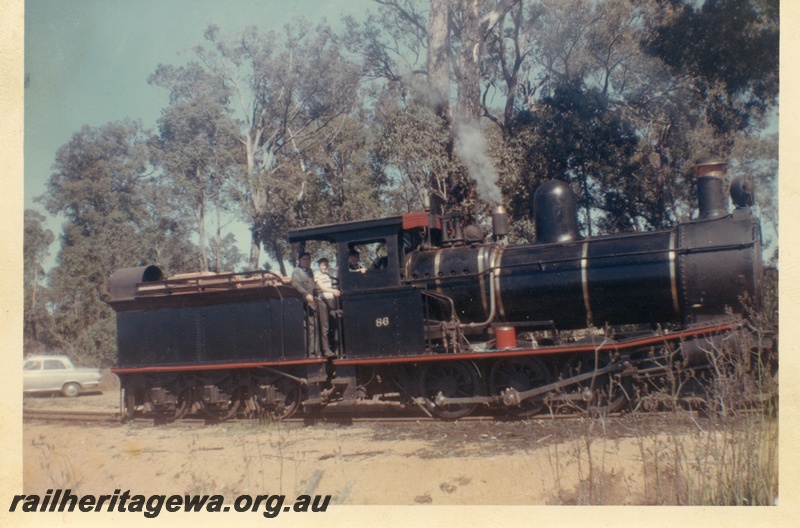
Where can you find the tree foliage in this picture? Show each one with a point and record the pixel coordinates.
(664, 76)
(198, 149)
(100, 185)
(579, 137)
(423, 62)
(288, 90)
(412, 151)
(36, 247)
(729, 51)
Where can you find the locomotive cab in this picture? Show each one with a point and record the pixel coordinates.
(381, 315)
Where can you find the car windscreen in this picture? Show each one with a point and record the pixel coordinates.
(32, 365)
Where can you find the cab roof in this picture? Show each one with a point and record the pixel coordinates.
(345, 231)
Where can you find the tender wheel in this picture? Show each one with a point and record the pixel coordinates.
(71, 390)
(182, 407)
(453, 380)
(603, 394)
(291, 401)
(521, 374)
(219, 412)
(129, 404)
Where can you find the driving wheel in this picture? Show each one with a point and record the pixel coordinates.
(522, 374)
(453, 380)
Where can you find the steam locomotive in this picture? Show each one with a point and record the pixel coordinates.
(447, 320)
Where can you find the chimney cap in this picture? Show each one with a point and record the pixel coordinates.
(710, 167)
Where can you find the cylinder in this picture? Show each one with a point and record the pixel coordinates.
(506, 337)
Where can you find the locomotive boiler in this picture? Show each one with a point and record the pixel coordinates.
(447, 320)
(677, 275)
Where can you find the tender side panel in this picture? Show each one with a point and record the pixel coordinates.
(264, 329)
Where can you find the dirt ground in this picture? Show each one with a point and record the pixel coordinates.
(533, 462)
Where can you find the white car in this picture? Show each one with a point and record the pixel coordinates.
(57, 373)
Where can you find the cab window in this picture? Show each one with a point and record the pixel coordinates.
(371, 264)
(368, 256)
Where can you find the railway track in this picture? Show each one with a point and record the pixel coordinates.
(112, 417)
(70, 416)
(108, 417)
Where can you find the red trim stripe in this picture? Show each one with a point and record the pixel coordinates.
(216, 366)
(429, 357)
(539, 351)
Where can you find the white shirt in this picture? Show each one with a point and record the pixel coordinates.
(324, 284)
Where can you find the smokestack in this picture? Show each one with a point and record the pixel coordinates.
(499, 223)
(710, 182)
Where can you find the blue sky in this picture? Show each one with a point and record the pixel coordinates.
(88, 63)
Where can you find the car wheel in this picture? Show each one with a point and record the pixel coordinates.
(70, 390)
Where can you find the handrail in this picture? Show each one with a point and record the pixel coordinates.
(210, 282)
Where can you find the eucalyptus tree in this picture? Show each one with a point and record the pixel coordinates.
(424, 61)
(36, 247)
(563, 72)
(510, 76)
(671, 81)
(726, 51)
(224, 254)
(703, 81)
(197, 144)
(347, 185)
(100, 183)
(198, 148)
(409, 89)
(575, 135)
(411, 148)
(287, 91)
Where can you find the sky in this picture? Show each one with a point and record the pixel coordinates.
(87, 63)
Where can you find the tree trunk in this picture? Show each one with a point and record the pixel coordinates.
(257, 219)
(201, 232)
(279, 256)
(201, 224)
(439, 83)
(585, 185)
(438, 57)
(34, 333)
(218, 243)
(255, 246)
(469, 82)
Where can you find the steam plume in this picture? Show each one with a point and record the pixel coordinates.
(471, 148)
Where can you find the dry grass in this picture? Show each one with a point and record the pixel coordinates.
(729, 457)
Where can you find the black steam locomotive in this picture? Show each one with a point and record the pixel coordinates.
(447, 320)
